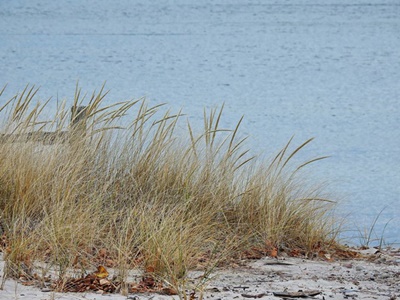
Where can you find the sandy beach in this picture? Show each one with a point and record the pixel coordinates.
(374, 276)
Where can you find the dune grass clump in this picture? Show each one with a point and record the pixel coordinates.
(150, 195)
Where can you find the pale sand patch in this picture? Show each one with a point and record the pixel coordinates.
(375, 278)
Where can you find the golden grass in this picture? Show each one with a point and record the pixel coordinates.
(150, 195)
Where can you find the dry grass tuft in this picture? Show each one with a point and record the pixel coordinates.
(146, 195)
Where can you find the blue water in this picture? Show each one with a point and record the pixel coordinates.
(325, 69)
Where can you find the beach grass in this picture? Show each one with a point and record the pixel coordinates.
(154, 194)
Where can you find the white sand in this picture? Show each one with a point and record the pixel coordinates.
(375, 278)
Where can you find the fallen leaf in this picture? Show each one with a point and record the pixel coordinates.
(274, 252)
(150, 269)
(168, 291)
(328, 257)
(101, 272)
(104, 281)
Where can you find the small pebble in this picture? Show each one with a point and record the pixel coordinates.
(359, 268)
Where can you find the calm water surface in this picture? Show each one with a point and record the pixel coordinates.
(326, 69)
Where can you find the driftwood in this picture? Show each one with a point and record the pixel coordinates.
(299, 294)
(44, 137)
(77, 127)
(254, 296)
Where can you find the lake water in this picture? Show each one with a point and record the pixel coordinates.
(326, 69)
